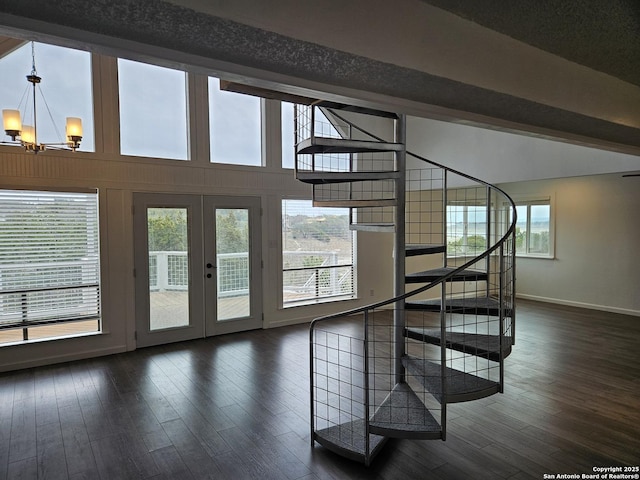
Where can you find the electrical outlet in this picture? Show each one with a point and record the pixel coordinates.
(371, 292)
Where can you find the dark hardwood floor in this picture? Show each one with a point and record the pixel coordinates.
(236, 407)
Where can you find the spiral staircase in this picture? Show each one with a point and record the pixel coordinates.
(390, 369)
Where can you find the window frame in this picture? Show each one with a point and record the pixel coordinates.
(211, 109)
(93, 255)
(143, 144)
(322, 299)
(465, 205)
(533, 202)
(58, 96)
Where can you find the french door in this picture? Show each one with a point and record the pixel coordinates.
(197, 266)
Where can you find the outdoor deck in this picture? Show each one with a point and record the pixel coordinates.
(168, 309)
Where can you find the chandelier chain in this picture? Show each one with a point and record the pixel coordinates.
(33, 59)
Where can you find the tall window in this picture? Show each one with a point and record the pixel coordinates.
(49, 264)
(533, 229)
(235, 127)
(317, 253)
(66, 87)
(153, 111)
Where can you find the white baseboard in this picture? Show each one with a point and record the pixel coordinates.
(570, 303)
(52, 359)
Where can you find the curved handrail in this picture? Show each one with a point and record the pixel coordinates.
(395, 368)
(449, 275)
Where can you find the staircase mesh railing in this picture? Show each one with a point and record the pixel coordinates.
(359, 357)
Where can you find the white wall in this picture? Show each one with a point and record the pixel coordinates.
(596, 211)
(597, 232)
(497, 157)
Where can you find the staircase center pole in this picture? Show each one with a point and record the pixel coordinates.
(399, 249)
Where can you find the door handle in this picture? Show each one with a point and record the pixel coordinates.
(209, 265)
(208, 275)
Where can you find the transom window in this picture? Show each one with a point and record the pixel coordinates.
(234, 127)
(65, 86)
(317, 254)
(49, 265)
(153, 111)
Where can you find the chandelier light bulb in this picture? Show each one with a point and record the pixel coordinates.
(12, 123)
(28, 135)
(74, 127)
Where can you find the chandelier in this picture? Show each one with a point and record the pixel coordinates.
(27, 135)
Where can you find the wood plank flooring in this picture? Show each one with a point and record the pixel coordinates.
(236, 407)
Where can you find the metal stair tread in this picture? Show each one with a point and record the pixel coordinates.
(461, 386)
(474, 305)
(320, 177)
(412, 250)
(321, 145)
(348, 439)
(355, 109)
(437, 273)
(403, 415)
(373, 227)
(385, 202)
(480, 345)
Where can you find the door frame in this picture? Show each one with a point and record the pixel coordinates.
(255, 319)
(201, 245)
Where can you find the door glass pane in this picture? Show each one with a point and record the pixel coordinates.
(168, 267)
(232, 261)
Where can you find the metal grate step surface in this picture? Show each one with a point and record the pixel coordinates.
(484, 346)
(348, 440)
(385, 202)
(460, 386)
(373, 227)
(355, 109)
(403, 415)
(472, 305)
(412, 250)
(435, 274)
(320, 177)
(341, 145)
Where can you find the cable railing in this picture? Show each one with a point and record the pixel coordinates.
(39, 293)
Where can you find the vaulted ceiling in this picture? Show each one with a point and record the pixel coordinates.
(568, 70)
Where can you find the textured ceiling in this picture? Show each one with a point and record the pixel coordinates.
(601, 34)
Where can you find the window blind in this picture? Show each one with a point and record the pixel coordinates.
(49, 257)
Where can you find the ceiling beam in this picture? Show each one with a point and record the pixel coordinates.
(8, 45)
